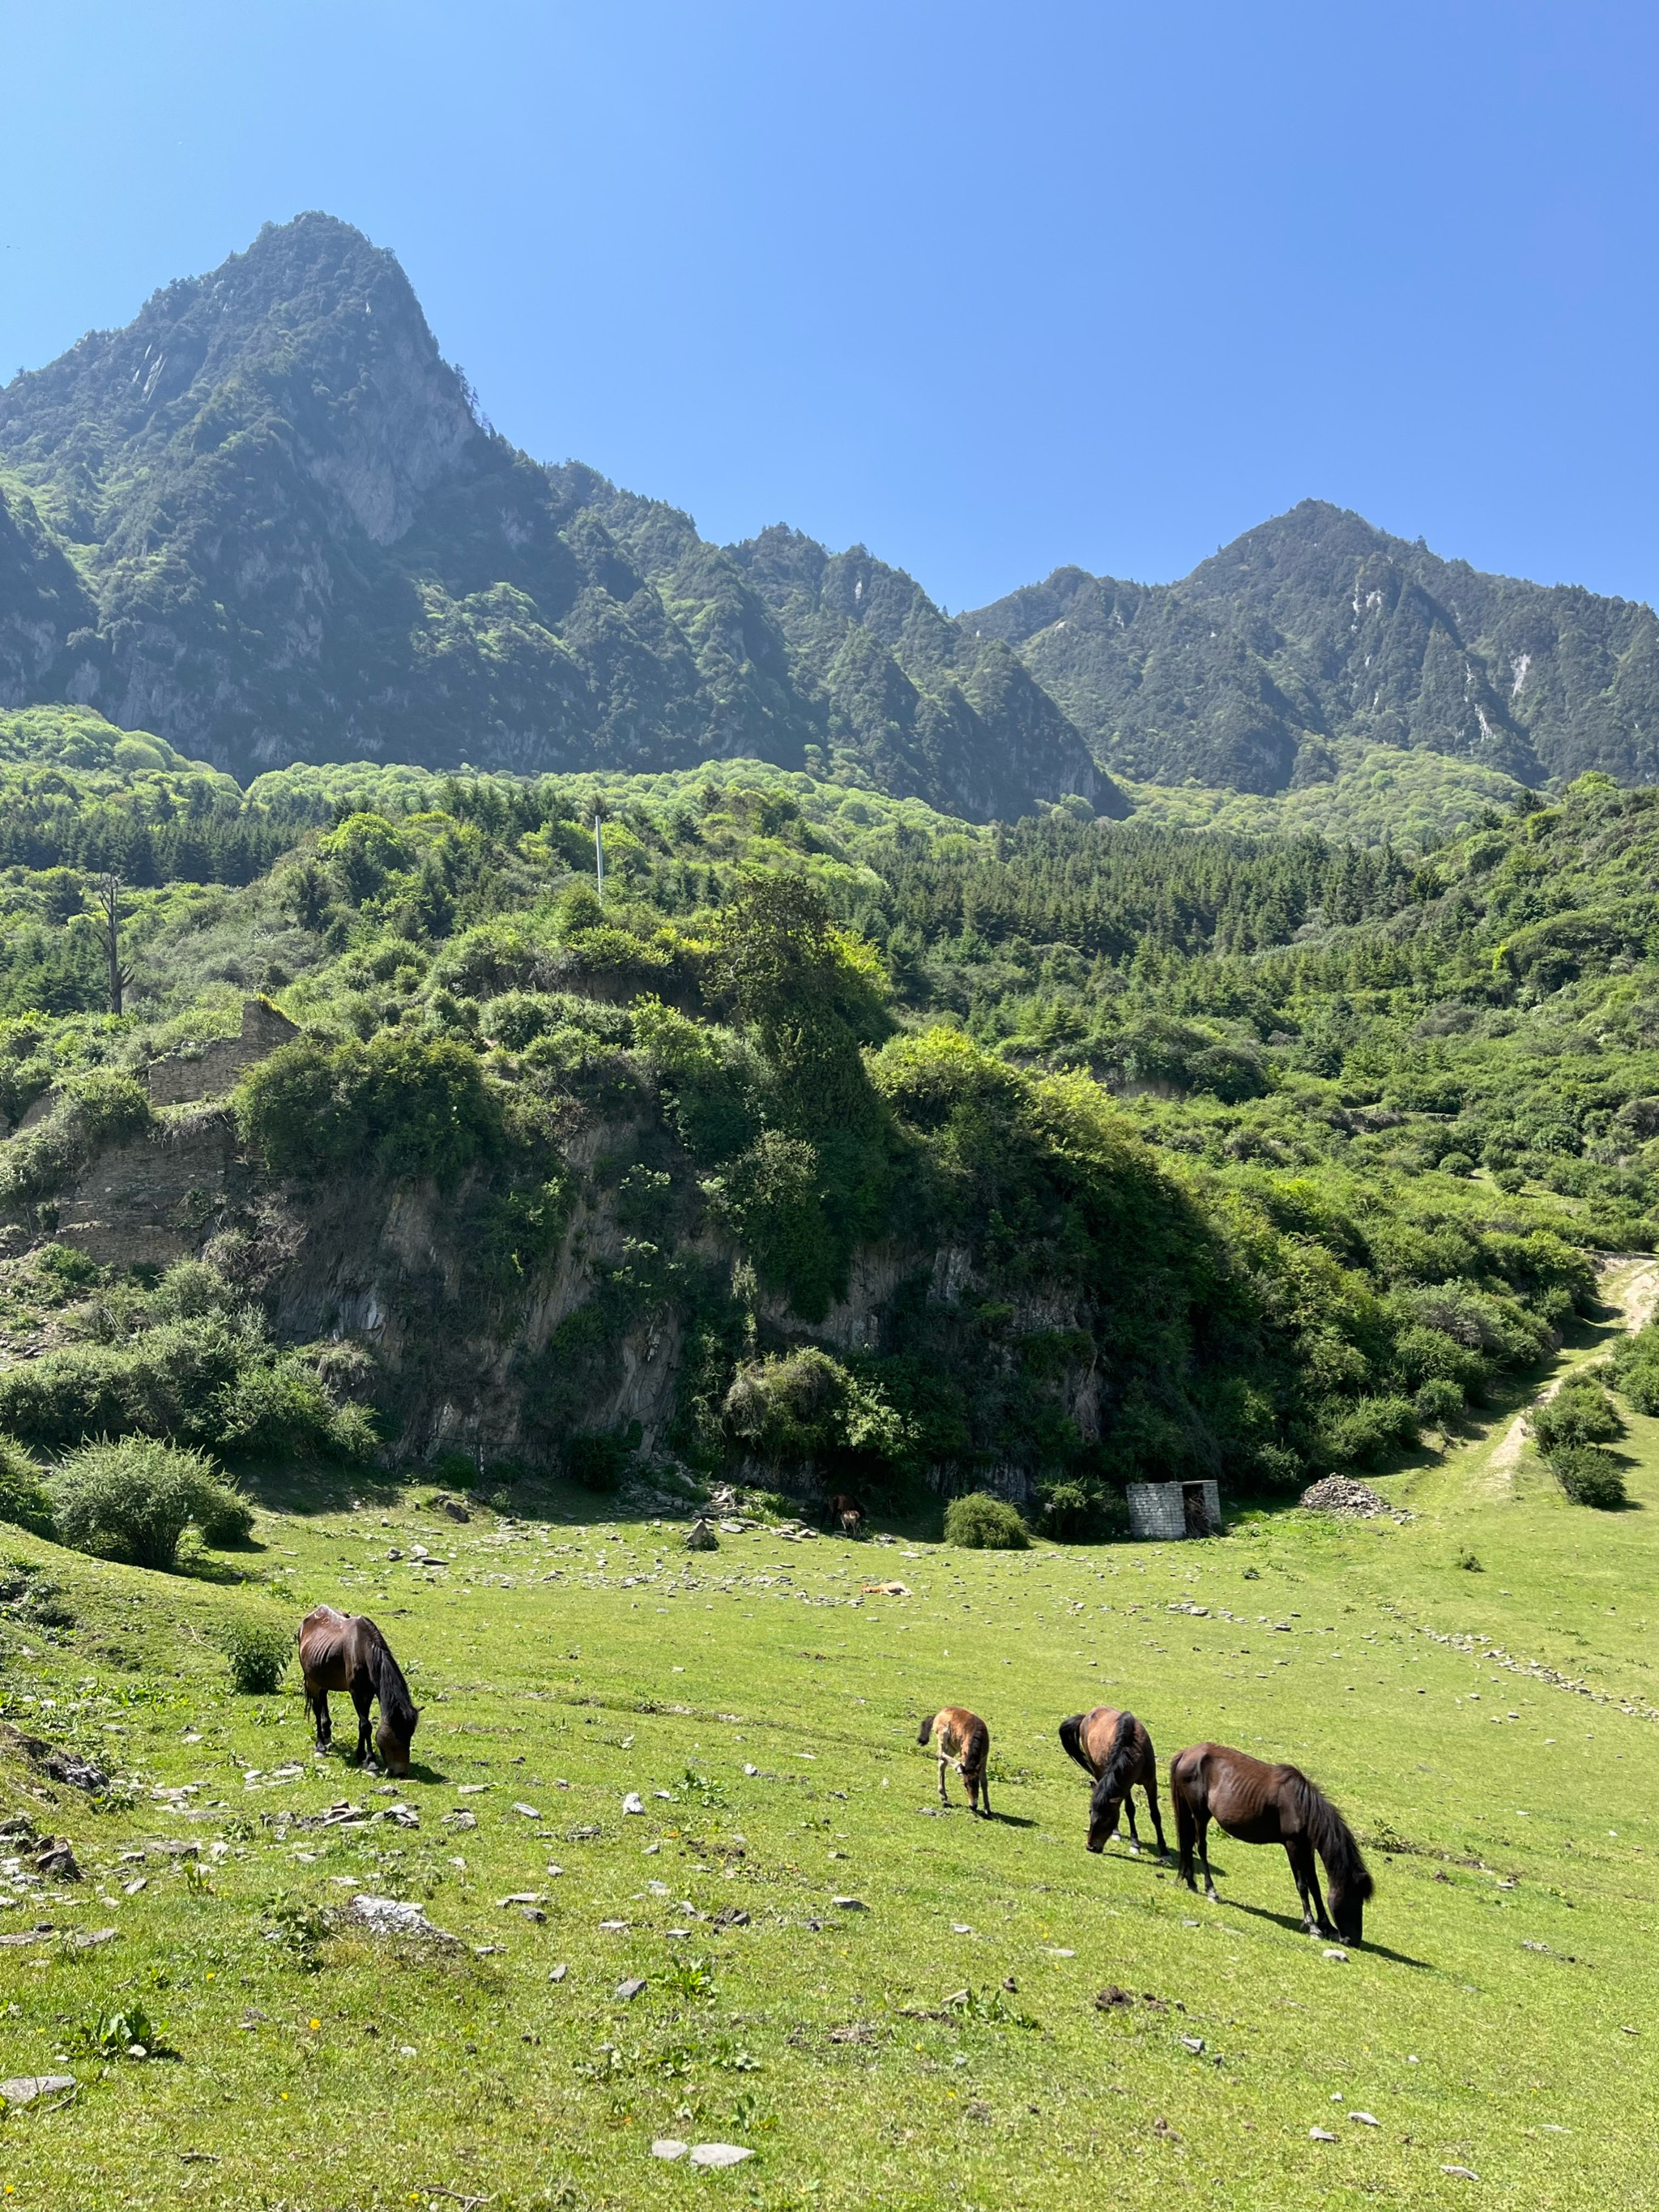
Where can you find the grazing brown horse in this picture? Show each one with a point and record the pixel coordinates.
(1262, 1804)
(346, 1651)
(1114, 1748)
(964, 1742)
(845, 1514)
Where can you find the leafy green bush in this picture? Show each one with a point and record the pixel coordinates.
(1580, 1413)
(980, 1523)
(258, 1652)
(1589, 1475)
(1369, 1428)
(806, 1409)
(133, 1498)
(1636, 1370)
(24, 1503)
(408, 1105)
(598, 1458)
(1436, 1403)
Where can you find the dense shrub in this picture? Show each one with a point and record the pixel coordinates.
(407, 1105)
(1636, 1370)
(1367, 1431)
(1589, 1475)
(133, 1498)
(1436, 1403)
(1581, 1412)
(257, 1651)
(598, 1458)
(806, 1410)
(980, 1523)
(24, 1503)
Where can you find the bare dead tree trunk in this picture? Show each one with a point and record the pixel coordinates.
(120, 977)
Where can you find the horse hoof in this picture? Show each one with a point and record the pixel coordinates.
(1212, 1896)
(1134, 1851)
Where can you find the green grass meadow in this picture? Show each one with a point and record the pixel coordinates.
(1499, 2018)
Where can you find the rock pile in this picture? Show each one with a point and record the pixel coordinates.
(1356, 1501)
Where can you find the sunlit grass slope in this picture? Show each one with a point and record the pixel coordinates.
(1499, 2018)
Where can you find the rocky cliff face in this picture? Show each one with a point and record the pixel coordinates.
(264, 521)
(1314, 626)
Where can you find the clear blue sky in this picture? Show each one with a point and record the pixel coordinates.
(988, 287)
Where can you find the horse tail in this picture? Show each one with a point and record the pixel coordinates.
(1185, 1819)
(927, 1728)
(1071, 1735)
(1330, 1836)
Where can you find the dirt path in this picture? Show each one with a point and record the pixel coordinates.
(1630, 1285)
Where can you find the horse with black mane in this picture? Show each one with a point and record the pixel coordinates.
(843, 1515)
(1262, 1804)
(1115, 1748)
(346, 1651)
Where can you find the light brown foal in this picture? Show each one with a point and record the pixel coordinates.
(964, 1742)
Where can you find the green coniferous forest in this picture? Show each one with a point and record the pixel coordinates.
(894, 1146)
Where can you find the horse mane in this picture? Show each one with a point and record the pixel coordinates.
(1117, 1769)
(396, 1706)
(1331, 1838)
(1071, 1735)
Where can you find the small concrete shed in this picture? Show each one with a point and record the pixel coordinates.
(1171, 1509)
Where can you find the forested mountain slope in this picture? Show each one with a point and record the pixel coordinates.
(845, 1139)
(1315, 627)
(266, 521)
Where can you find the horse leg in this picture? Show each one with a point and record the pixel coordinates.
(944, 1797)
(985, 1790)
(1296, 1853)
(362, 1699)
(1150, 1786)
(1323, 1923)
(1186, 1835)
(1210, 1890)
(1134, 1833)
(318, 1701)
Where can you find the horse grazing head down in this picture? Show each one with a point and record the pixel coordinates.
(1105, 1805)
(393, 1734)
(1347, 1903)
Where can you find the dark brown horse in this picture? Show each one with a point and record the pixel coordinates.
(844, 1514)
(1262, 1804)
(346, 1651)
(964, 1742)
(1114, 1748)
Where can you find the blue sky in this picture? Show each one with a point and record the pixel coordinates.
(988, 287)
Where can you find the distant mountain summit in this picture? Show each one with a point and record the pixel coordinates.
(1315, 627)
(266, 521)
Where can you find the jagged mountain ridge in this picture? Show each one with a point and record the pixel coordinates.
(266, 521)
(1316, 626)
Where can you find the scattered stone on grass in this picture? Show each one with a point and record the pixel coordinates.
(1321, 2134)
(56, 1858)
(527, 1812)
(633, 1802)
(557, 1973)
(669, 2146)
(717, 2155)
(1366, 2119)
(628, 1991)
(1460, 2173)
(849, 1904)
(391, 1916)
(28, 2088)
(700, 1537)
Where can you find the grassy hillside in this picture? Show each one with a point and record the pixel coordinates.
(1491, 1733)
(800, 1151)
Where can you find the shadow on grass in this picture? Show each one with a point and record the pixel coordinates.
(1292, 1923)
